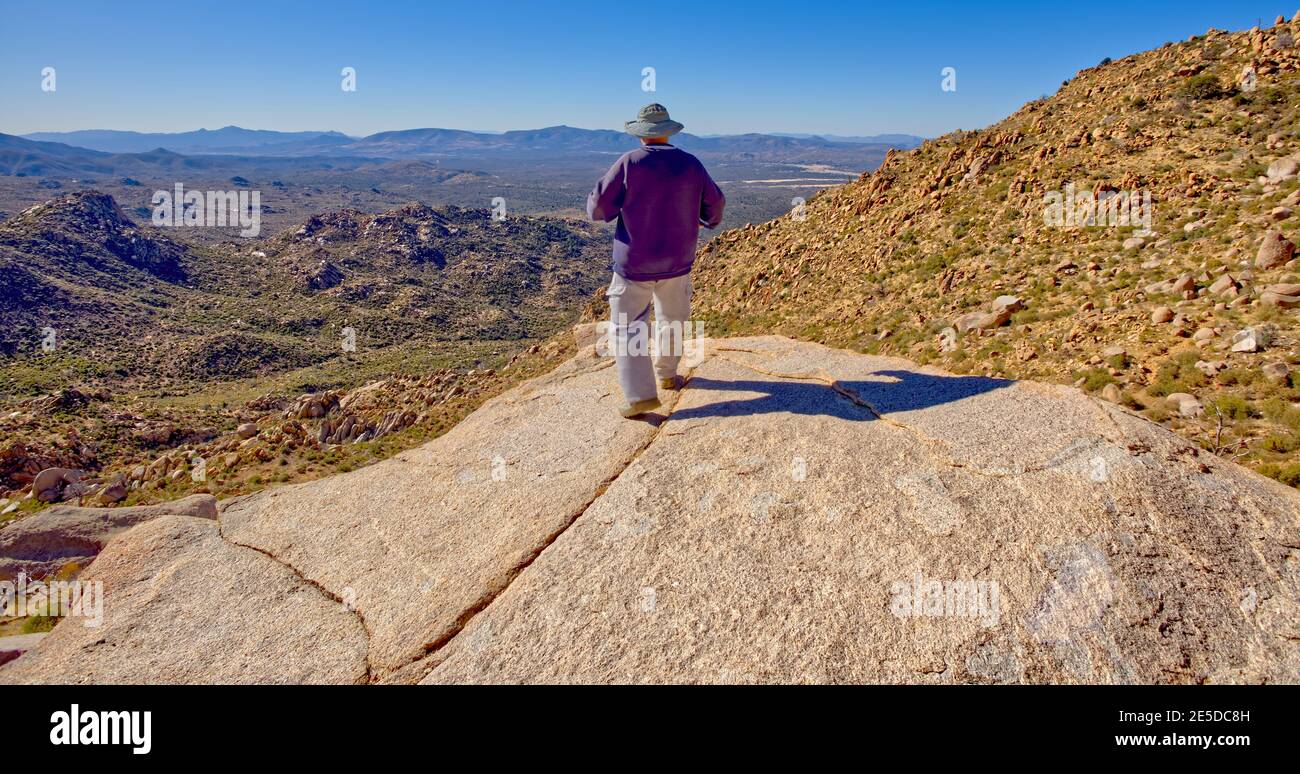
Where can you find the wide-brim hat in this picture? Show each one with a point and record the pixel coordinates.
(652, 121)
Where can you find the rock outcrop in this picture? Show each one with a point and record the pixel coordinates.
(43, 543)
(801, 514)
(171, 587)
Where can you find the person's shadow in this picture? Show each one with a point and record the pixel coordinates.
(895, 391)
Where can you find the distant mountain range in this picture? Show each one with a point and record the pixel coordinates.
(226, 140)
(436, 142)
(22, 157)
(248, 153)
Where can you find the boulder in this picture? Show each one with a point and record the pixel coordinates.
(1223, 284)
(1276, 373)
(1251, 339)
(691, 589)
(1187, 405)
(114, 493)
(1282, 169)
(48, 485)
(325, 276)
(1161, 315)
(155, 435)
(584, 334)
(982, 320)
(948, 340)
(1271, 298)
(1274, 250)
(1210, 368)
(1011, 304)
(50, 538)
(171, 588)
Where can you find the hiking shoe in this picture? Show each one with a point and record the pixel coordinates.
(630, 410)
(673, 383)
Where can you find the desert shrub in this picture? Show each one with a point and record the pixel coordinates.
(1232, 407)
(1229, 377)
(1096, 378)
(1251, 170)
(1282, 444)
(34, 624)
(1287, 474)
(1158, 413)
(1203, 86)
(1177, 374)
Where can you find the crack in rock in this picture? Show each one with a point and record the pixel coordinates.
(361, 619)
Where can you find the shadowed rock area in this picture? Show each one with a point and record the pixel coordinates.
(803, 514)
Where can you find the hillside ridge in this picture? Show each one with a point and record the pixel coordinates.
(964, 252)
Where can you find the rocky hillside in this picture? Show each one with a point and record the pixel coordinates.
(952, 254)
(797, 514)
(143, 306)
(453, 270)
(76, 266)
(129, 353)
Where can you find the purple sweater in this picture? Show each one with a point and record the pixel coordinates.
(661, 196)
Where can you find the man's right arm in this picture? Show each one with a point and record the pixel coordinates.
(605, 201)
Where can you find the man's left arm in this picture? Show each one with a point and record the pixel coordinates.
(712, 202)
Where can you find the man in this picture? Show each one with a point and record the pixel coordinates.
(661, 195)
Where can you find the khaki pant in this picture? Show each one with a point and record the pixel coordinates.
(629, 309)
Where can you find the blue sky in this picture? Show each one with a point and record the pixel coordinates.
(722, 67)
